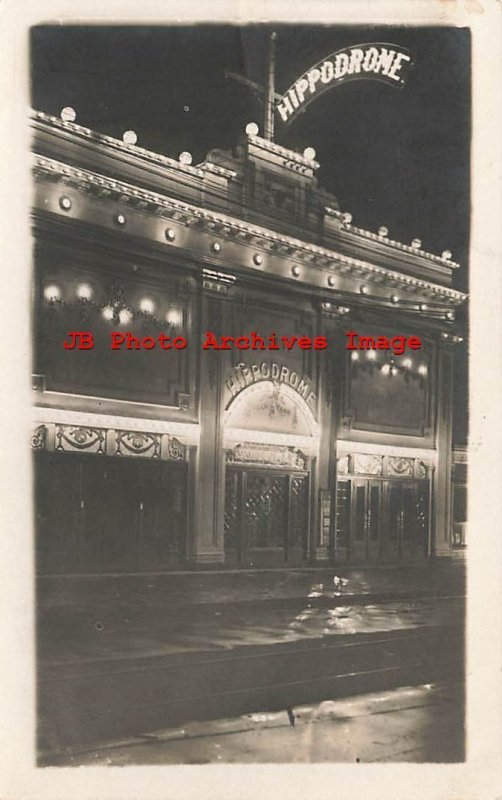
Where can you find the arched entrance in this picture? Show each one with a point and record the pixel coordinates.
(270, 443)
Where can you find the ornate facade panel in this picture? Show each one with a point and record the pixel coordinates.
(136, 443)
(367, 464)
(420, 469)
(39, 438)
(173, 449)
(71, 438)
(398, 466)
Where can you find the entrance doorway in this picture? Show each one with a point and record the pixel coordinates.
(266, 517)
(381, 520)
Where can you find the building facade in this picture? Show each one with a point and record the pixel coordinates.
(165, 446)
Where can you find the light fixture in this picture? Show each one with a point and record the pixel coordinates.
(363, 290)
(450, 315)
(108, 313)
(84, 291)
(385, 369)
(393, 370)
(394, 298)
(446, 255)
(408, 363)
(422, 307)
(258, 259)
(416, 244)
(371, 355)
(252, 129)
(185, 158)
(68, 114)
(169, 234)
(125, 316)
(120, 219)
(422, 370)
(173, 317)
(295, 270)
(146, 305)
(309, 154)
(65, 203)
(216, 247)
(52, 293)
(331, 280)
(347, 217)
(354, 356)
(129, 137)
(383, 232)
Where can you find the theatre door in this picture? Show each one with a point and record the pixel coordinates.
(381, 520)
(268, 477)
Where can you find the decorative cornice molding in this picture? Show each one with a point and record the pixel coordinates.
(377, 237)
(116, 144)
(225, 225)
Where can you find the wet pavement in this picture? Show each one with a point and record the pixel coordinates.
(421, 723)
(232, 627)
(170, 614)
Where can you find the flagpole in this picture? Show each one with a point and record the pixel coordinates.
(268, 128)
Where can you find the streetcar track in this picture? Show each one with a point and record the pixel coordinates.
(280, 651)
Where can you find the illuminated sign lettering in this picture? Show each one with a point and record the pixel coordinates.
(388, 63)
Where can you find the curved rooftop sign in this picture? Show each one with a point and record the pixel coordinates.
(388, 63)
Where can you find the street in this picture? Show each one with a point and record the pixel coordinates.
(117, 670)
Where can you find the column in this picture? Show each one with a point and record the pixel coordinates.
(442, 489)
(208, 534)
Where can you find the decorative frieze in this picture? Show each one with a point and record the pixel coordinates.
(68, 438)
(383, 465)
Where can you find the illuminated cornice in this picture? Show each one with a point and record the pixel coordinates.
(227, 227)
(377, 237)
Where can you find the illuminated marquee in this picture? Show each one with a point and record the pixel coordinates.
(388, 63)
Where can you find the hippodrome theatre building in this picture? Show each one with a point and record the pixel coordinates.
(164, 457)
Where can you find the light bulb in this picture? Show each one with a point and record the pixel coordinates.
(252, 129)
(129, 137)
(68, 114)
(52, 293)
(146, 305)
(84, 291)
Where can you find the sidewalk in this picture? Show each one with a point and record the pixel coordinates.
(411, 724)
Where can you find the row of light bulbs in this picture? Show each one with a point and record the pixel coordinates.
(383, 233)
(84, 293)
(68, 114)
(391, 368)
(170, 235)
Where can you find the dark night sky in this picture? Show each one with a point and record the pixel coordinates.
(393, 157)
